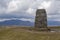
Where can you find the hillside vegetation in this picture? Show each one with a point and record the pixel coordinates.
(24, 33)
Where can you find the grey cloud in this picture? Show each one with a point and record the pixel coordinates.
(4, 3)
(17, 15)
(54, 10)
(25, 5)
(55, 7)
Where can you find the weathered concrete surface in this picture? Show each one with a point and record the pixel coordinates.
(41, 19)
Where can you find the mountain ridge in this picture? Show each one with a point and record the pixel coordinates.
(26, 23)
(16, 22)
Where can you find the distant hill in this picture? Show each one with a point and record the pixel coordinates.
(53, 23)
(16, 22)
(26, 23)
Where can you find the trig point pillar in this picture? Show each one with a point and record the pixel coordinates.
(41, 18)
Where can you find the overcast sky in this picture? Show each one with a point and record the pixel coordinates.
(26, 9)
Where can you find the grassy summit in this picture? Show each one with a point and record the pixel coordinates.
(23, 33)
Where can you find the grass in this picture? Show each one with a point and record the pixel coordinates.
(55, 27)
(24, 33)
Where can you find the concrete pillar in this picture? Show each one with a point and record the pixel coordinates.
(41, 18)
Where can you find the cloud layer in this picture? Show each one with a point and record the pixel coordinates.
(27, 9)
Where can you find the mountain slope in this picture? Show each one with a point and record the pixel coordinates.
(26, 23)
(53, 23)
(16, 22)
